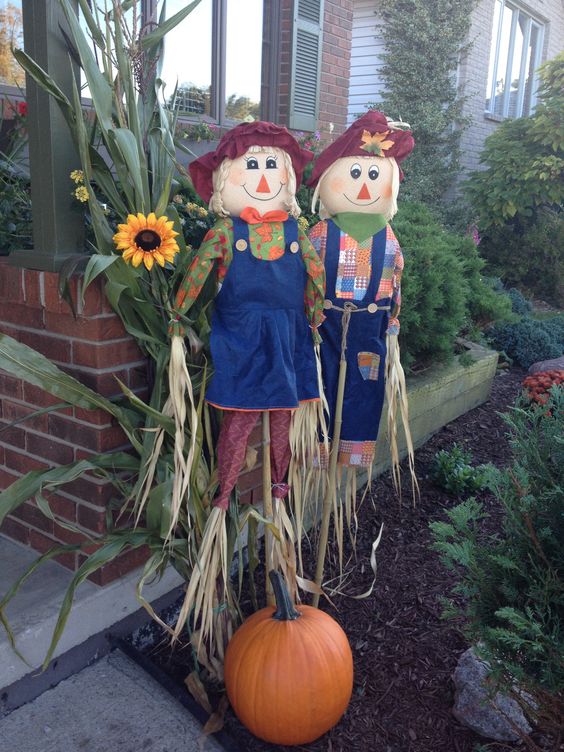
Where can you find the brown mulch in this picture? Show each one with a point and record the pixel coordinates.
(404, 653)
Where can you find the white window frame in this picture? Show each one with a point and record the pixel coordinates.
(522, 71)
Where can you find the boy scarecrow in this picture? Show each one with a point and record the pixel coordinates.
(267, 309)
(356, 181)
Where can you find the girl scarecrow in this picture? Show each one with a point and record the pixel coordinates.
(356, 181)
(268, 306)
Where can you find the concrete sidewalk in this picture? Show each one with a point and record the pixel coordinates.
(111, 705)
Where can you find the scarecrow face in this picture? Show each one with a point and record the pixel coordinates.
(357, 184)
(257, 179)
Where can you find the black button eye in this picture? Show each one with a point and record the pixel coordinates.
(270, 163)
(252, 164)
(373, 172)
(356, 171)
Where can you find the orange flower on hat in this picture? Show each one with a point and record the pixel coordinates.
(146, 239)
(376, 143)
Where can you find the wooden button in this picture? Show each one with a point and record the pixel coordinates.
(327, 304)
(294, 246)
(372, 308)
(241, 245)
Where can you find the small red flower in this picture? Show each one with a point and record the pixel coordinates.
(22, 109)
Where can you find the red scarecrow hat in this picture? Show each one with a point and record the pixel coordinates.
(370, 134)
(236, 142)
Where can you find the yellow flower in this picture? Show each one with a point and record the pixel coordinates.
(77, 176)
(192, 207)
(303, 224)
(146, 239)
(202, 212)
(81, 193)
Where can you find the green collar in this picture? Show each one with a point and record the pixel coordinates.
(359, 226)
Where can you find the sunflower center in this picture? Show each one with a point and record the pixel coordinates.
(148, 240)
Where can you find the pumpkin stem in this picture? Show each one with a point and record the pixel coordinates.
(285, 610)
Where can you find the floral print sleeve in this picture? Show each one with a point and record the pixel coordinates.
(394, 324)
(214, 251)
(315, 286)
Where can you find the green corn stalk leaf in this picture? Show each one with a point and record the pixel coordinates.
(173, 214)
(93, 26)
(157, 416)
(25, 363)
(157, 509)
(127, 145)
(154, 567)
(107, 552)
(36, 481)
(96, 265)
(102, 176)
(45, 82)
(45, 508)
(100, 90)
(35, 414)
(68, 268)
(155, 37)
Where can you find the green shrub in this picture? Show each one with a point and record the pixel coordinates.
(512, 580)
(15, 209)
(452, 470)
(442, 287)
(528, 341)
(519, 303)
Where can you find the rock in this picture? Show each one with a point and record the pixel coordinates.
(556, 364)
(493, 717)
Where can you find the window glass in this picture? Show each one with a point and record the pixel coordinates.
(188, 57)
(506, 21)
(11, 35)
(514, 77)
(243, 59)
(491, 70)
(531, 64)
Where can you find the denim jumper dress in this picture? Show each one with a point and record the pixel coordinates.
(366, 345)
(261, 342)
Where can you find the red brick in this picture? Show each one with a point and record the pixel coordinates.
(53, 300)
(91, 518)
(88, 490)
(62, 507)
(10, 387)
(42, 544)
(11, 289)
(22, 315)
(34, 517)
(38, 397)
(12, 411)
(250, 479)
(138, 377)
(32, 288)
(64, 535)
(15, 530)
(19, 462)
(121, 566)
(103, 383)
(94, 417)
(7, 478)
(55, 451)
(94, 299)
(105, 354)
(54, 348)
(97, 329)
(14, 437)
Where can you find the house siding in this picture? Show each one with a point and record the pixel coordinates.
(366, 58)
(473, 71)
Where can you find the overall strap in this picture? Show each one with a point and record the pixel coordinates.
(378, 257)
(290, 232)
(333, 241)
(240, 230)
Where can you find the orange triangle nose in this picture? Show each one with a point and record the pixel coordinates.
(364, 192)
(263, 186)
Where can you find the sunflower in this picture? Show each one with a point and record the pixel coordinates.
(147, 239)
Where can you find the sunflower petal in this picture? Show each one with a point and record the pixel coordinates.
(137, 258)
(148, 260)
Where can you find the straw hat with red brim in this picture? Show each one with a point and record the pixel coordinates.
(236, 142)
(371, 134)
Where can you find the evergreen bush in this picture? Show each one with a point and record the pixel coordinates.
(519, 303)
(442, 290)
(528, 341)
(512, 581)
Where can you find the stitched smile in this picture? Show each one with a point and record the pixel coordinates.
(356, 203)
(258, 198)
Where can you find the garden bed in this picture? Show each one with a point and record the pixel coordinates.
(404, 653)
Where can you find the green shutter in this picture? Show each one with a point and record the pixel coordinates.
(306, 64)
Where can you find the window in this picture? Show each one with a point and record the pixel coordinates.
(514, 56)
(215, 56)
(11, 35)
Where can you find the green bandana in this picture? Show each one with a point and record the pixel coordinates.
(359, 226)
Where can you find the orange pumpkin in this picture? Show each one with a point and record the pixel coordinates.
(289, 671)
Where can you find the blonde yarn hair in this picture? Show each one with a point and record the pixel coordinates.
(324, 214)
(219, 179)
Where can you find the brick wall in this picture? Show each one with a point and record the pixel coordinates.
(93, 348)
(473, 74)
(335, 64)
